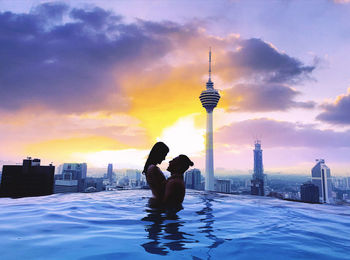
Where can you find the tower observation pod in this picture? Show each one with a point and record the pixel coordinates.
(209, 99)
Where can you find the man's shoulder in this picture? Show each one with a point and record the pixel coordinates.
(176, 182)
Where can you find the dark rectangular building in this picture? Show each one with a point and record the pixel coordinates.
(309, 193)
(29, 179)
(257, 187)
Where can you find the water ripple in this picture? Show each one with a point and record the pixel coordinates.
(110, 225)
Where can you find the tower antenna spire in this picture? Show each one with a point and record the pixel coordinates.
(209, 63)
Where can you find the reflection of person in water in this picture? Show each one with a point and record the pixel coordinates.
(154, 176)
(175, 186)
(164, 232)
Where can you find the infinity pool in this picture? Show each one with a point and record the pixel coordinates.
(118, 225)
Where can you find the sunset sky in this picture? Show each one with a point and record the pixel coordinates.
(102, 81)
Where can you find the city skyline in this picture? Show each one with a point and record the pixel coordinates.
(101, 82)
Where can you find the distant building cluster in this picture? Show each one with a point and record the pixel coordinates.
(223, 186)
(71, 178)
(33, 179)
(194, 180)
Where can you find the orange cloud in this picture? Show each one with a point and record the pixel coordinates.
(63, 149)
(158, 103)
(55, 137)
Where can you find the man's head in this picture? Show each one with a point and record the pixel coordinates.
(179, 164)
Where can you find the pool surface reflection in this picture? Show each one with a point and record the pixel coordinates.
(118, 224)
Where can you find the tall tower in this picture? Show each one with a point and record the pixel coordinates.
(110, 173)
(209, 99)
(257, 187)
(321, 177)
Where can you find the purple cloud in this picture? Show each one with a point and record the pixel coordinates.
(260, 60)
(338, 112)
(281, 134)
(70, 66)
(268, 74)
(71, 59)
(261, 98)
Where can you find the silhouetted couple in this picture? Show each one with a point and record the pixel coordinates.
(169, 192)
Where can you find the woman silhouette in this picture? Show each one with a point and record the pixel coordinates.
(154, 176)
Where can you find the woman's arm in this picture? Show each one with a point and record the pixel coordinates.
(155, 179)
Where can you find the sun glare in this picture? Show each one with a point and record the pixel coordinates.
(184, 138)
(127, 158)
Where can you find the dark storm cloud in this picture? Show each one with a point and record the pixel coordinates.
(50, 11)
(72, 60)
(337, 113)
(281, 134)
(96, 18)
(70, 66)
(254, 57)
(269, 75)
(258, 98)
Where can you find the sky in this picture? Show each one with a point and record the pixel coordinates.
(102, 81)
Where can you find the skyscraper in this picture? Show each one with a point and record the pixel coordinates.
(309, 193)
(209, 99)
(110, 173)
(257, 187)
(223, 186)
(72, 178)
(193, 179)
(321, 177)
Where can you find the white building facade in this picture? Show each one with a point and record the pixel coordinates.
(321, 177)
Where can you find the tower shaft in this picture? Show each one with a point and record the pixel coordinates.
(209, 160)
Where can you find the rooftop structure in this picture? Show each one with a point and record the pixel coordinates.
(29, 179)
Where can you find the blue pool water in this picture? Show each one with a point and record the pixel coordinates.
(118, 225)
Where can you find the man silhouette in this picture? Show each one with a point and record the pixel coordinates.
(175, 186)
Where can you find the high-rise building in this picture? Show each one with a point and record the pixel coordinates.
(29, 179)
(309, 193)
(193, 179)
(321, 177)
(110, 173)
(223, 186)
(138, 178)
(71, 178)
(257, 187)
(209, 99)
(96, 183)
(134, 177)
